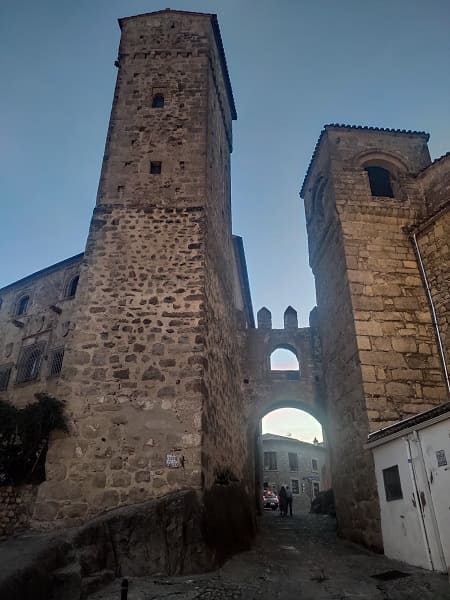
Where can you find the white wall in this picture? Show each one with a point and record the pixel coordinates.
(403, 534)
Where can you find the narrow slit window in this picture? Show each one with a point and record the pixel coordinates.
(155, 168)
(158, 101)
(72, 287)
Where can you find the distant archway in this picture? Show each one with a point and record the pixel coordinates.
(287, 453)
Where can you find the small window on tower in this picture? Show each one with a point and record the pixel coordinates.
(158, 101)
(380, 182)
(155, 168)
(71, 289)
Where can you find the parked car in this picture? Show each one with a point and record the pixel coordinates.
(270, 500)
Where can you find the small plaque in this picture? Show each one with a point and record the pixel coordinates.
(441, 458)
(172, 461)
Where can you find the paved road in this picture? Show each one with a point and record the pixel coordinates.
(294, 559)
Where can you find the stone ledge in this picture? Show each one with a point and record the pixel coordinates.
(158, 536)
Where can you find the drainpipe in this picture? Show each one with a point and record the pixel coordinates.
(433, 310)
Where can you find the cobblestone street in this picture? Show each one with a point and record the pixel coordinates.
(299, 558)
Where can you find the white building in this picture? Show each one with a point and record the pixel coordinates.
(300, 465)
(413, 477)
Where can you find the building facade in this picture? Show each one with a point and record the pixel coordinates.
(378, 221)
(148, 335)
(152, 334)
(300, 465)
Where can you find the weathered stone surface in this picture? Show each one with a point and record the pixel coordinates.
(161, 536)
(372, 305)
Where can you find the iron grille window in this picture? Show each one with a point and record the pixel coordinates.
(314, 464)
(293, 461)
(30, 362)
(5, 373)
(392, 485)
(55, 362)
(294, 486)
(270, 461)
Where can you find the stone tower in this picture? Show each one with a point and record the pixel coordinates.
(380, 357)
(151, 373)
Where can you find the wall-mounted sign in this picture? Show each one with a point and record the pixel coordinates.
(441, 458)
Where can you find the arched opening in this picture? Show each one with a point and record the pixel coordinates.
(291, 453)
(380, 181)
(284, 363)
(22, 306)
(283, 359)
(71, 289)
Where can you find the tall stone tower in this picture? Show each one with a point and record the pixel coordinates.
(151, 373)
(380, 357)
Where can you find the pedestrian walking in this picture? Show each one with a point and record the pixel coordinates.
(288, 500)
(283, 501)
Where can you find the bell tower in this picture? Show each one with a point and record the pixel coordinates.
(380, 359)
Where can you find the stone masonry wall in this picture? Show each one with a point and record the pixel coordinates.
(379, 353)
(434, 245)
(16, 508)
(48, 319)
(435, 183)
(224, 447)
(134, 369)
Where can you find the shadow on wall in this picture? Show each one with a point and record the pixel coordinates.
(229, 524)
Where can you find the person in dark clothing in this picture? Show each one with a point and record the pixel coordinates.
(288, 501)
(282, 497)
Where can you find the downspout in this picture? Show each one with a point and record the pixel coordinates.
(433, 310)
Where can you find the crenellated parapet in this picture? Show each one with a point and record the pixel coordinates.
(268, 387)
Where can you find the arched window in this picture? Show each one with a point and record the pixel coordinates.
(380, 182)
(22, 306)
(71, 289)
(158, 101)
(283, 359)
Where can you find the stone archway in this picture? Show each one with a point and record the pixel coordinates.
(256, 440)
(267, 390)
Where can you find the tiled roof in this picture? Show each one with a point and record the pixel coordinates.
(360, 128)
(273, 437)
(410, 422)
(435, 161)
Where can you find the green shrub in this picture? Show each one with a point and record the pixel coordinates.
(24, 436)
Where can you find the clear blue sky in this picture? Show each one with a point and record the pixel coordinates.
(294, 65)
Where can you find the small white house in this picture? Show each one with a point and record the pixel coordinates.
(412, 466)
